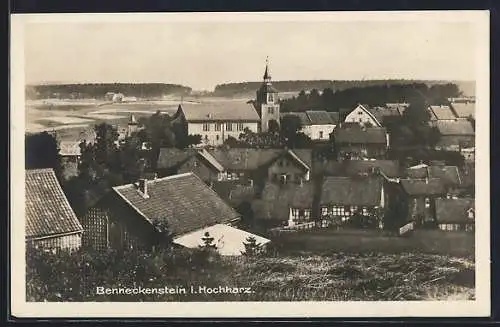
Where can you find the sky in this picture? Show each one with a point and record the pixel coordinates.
(206, 53)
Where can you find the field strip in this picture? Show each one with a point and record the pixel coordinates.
(150, 111)
(105, 116)
(35, 128)
(66, 119)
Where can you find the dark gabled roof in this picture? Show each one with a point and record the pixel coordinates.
(314, 117)
(455, 127)
(184, 201)
(173, 157)
(359, 135)
(381, 112)
(389, 167)
(321, 117)
(449, 175)
(277, 200)
(423, 187)
(351, 191)
(48, 212)
(441, 112)
(233, 192)
(251, 159)
(464, 109)
(449, 211)
(304, 120)
(416, 172)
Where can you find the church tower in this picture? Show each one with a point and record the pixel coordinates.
(267, 102)
(133, 126)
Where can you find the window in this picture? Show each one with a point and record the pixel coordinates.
(206, 127)
(218, 127)
(364, 211)
(270, 97)
(321, 134)
(240, 126)
(470, 213)
(427, 203)
(229, 127)
(339, 211)
(217, 137)
(206, 138)
(195, 163)
(270, 110)
(324, 211)
(283, 178)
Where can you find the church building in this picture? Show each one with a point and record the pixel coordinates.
(217, 121)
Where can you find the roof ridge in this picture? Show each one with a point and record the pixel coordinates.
(119, 187)
(38, 170)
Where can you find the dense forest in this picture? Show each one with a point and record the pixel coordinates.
(249, 88)
(330, 100)
(98, 90)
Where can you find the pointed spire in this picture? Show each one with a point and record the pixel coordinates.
(267, 75)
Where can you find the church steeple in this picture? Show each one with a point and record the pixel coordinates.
(267, 75)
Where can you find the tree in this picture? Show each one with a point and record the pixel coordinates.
(252, 248)
(164, 238)
(274, 127)
(290, 128)
(247, 215)
(417, 113)
(42, 151)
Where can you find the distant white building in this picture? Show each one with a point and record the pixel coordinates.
(317, 124)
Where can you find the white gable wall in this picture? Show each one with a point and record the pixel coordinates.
(361, 116)
(314, 131)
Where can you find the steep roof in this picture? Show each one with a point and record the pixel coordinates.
(48, 212)
(321, 117)
(69, 148)
(441, 112)
(314, 117)
(449, 175)
(173, 157)
(389, 167)
(220, 111)
(455, 127)
(351, 191)
(381, 112)
(449, 211)
(277, 200)
(233, 192)
(251, 159)
(423, 187)
(184, 201)
(464, 109)
(358, 135)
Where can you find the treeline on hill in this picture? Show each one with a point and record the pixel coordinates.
(244, 88)
(98, 90)
(372, 95)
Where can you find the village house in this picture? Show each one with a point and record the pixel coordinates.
(241, 164)
(317, 124)
(463, 108)
(420, 196)
(455, 214)
(356, 142)
(374, 116)
(455, 135)
(133, 214)
(50, 221)
(70, 153)
(440, 113)
(216, 122)
(287, 206)
(344, 197)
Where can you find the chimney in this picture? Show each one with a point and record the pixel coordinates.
(143, 187)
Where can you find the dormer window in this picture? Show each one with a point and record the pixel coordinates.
(470, 213)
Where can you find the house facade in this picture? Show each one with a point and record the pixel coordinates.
(217, 122)
(356, 142)
(420, 197)
(361, 115)
(50, 221)
(345, 197)
(455, 135)
(455, 214)
(316, 124)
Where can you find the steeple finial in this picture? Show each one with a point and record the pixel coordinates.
(267, 75)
